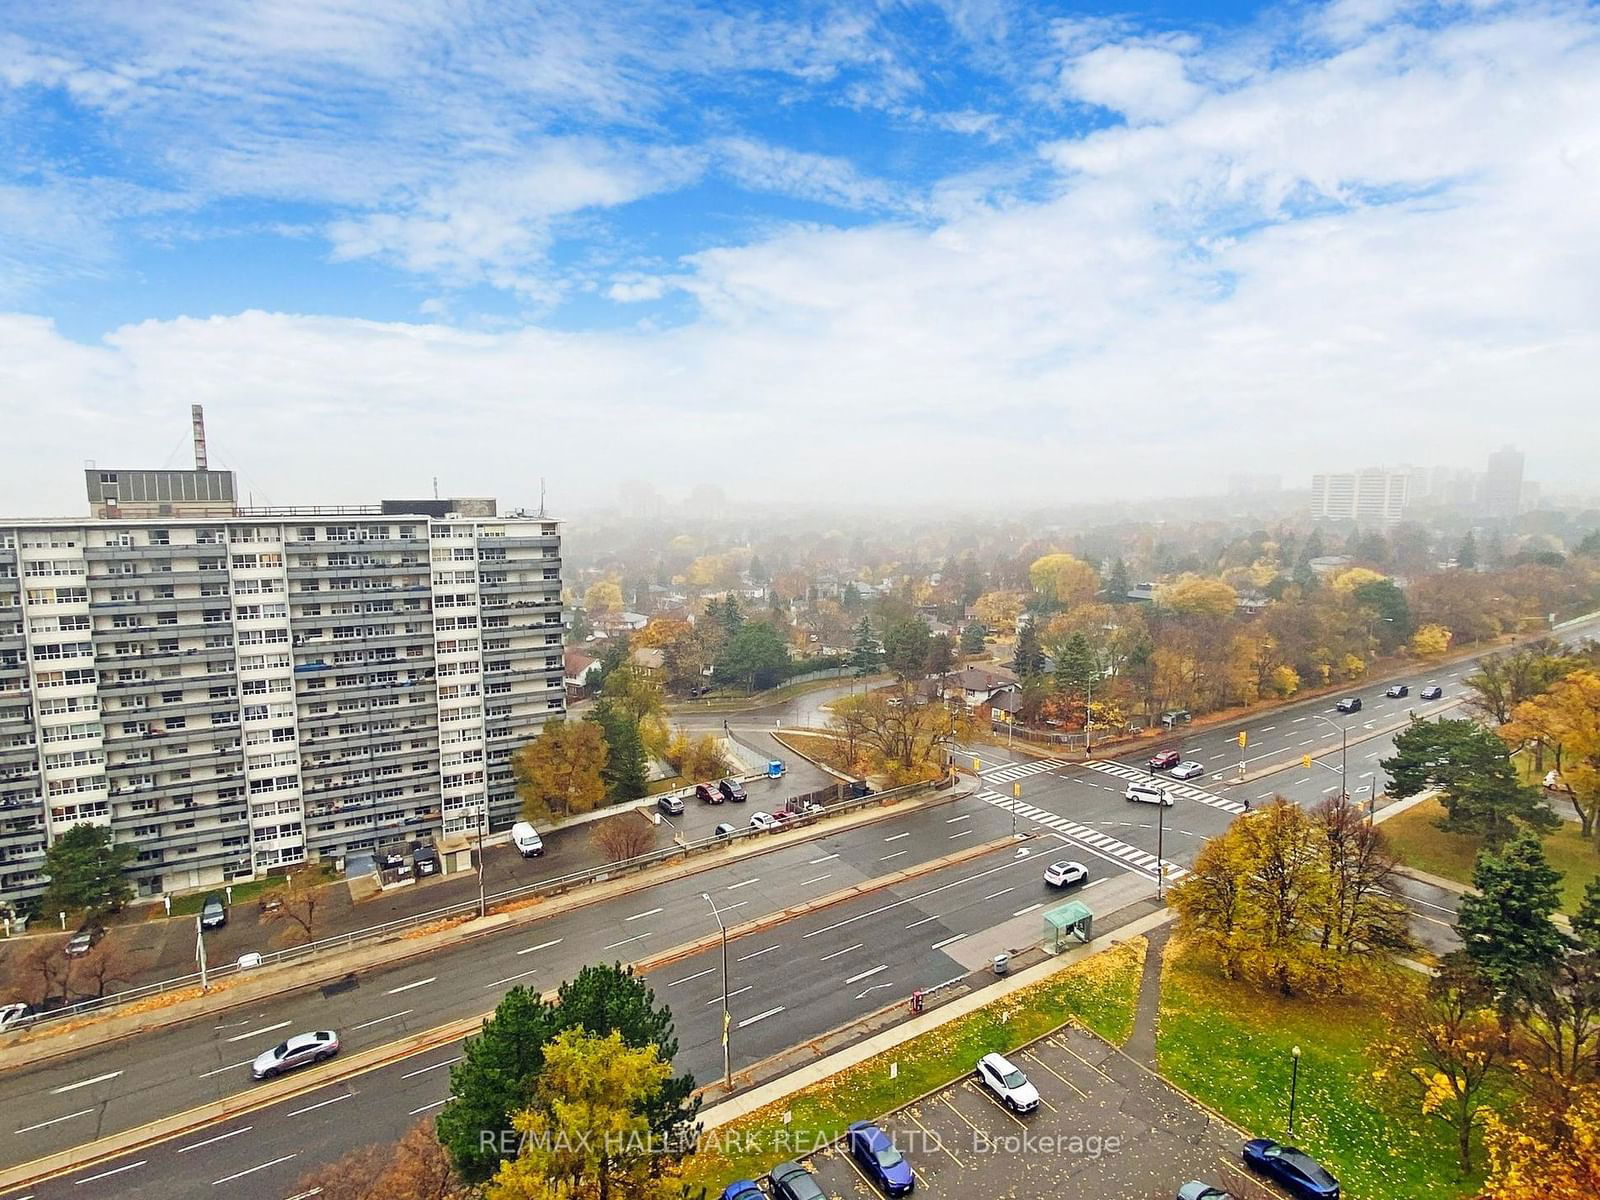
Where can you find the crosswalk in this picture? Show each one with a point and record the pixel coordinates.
(1091, 839)
(1011, 772)
(1176, 787)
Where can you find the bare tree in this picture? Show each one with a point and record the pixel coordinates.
(42, 973)
(93, 975)
(622, 837)
(293, 906)
(1360, 914)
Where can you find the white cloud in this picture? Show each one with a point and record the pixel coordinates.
(1143, 82)
(820, 177)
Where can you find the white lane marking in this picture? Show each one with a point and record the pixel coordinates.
(507, 979)
(760, 1016)
(838, 953)
(1297, 720)
(756, 953)
(449, 1062)
(963, 833)
(896, 854)
(1266, 795)
(252, 1170)
(640, 916)
(232, 1067)
(742, 883)
(857, 978)
(426, 1107)
(823, 859)
(1022, 912)
(962, 817)
(883, 908)
(736, 904)
(83, 1083)
(941, 945)
(244, 1037)
(221, 1137)
(540, 946)
(636, 938)
(1268, 729)
(736, 992)
(1001, 892)
(380, 1020)
(688, 978)
(814, 879)
(319, 1104)
(82, 1112)
(406, 987)
(113, 1171)
(924, 921)
(895, 837)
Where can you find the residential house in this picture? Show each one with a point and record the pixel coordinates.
(581, 670)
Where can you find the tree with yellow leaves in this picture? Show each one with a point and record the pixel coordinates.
(999, 611)
(1430, 641)
(1192, 595)
(584, 1136)
(603, 598)
(558, 772)
(1525, 1164)
(1063, 581)
(1565, 720)
(1352, 578)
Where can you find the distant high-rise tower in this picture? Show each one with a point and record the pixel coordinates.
(1502, 483)
(1372, 496)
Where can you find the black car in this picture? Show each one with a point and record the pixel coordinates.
(85, 940)
(1398, 690)
(791, 1181)
(1350, 704)
(213, 913)
(1432, 692)
(707, 794)
(732, 789)
(1294, 1169)
(672, 806)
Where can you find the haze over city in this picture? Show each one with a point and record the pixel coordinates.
(842, 251)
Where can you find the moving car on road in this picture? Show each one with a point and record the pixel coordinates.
(1164, 761)
(1187, 770)
(1296, 1170)
(1146, 793)
(212, 913)
(1009, 1085)
(1065, 874)
(707, 794)
(1397, 690)
(791, 1181)
(732, 789)
(1432, 692)
(882, 1163)
(299, 1051)
(1350, 704)
(672, 806)
(761, 820)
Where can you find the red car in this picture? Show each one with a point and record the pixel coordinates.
(1164, 761)
(707, 793)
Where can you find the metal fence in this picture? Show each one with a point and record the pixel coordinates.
(831, 798)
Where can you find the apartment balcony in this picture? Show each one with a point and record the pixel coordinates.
(187, 629)
(157, 578)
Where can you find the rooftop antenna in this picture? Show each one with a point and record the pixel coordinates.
(435, 487)
(197, 416)
(541, 495)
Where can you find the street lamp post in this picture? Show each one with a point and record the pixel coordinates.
(1344, 754)
(1161, 829)
(727, 1020)
(1294, 1079)
(483, 832)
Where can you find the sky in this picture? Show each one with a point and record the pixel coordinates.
(967, 253)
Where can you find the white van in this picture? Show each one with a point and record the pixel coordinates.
(1144, 793)
(526, 839)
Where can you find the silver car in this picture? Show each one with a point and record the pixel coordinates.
(1187, 770)
(299, 1051)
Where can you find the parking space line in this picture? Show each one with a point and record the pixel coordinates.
(991, 1098)
(935, 1140)
(1039, 1062)
(1082, 1059)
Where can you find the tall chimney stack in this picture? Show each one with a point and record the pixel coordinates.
(198, 415)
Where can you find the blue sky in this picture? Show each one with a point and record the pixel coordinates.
(1294, 237)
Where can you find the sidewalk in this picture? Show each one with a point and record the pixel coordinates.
(1141, 1045)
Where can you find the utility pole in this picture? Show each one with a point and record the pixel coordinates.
(727, 1019)
(1088, 707)
(200, 953)
(483, 832)
(1344, 755)
(1161, 829)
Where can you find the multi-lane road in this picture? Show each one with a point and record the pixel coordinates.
(794, 979)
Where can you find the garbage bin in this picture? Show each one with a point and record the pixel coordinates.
(1002, 964)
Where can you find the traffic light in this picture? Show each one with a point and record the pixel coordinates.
(1244, 739)
(1305, 761)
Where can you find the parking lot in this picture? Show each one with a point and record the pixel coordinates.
(1105, 1127)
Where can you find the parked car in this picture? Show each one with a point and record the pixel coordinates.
(761, 820)
(1176, 716)
(671, 805)
(1397, 690)
(859, 788)
(299, 1051)
(1296, 1170)
(732, 789)
(1187, 769)
(723, 831)
(213, 914)
(882, 1163)
(1432, 692)
(1065, 873)
(1350, 704)
(527, 840)
(743, 1189)
(707, 794)
(12, 1016)
(427, 860)
(1009, 1085)
(85, 940)
(1164, 761)
(1195, 1190)
(791, 1181)
(1145, 793)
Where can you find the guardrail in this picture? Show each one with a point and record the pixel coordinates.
(469, 908)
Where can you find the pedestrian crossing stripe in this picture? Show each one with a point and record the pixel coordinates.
(1009, 772)
(1173, 786)
(1090, 838)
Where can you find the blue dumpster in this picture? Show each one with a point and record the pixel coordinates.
(775, 768)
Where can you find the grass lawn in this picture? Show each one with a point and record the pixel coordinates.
(188, 905)
(1418, 843)
(813, 745)
(1229, 1044)
(1098, 992)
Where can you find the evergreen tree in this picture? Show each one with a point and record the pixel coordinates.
(941, 655)
(1477, 782)
(972, 638)
(731, 617)
(863, 654)
(85, 869)
(626, 773)
(1028, 659)
(1075, 666)
(1116, 589)
(1467, 556)
(850, 598)
(1505, 922)
(905, 647)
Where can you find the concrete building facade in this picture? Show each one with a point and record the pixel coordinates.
(1369, 497)
(236, 693)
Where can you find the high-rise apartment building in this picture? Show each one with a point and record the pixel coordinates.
(1502, 483)
(240, 690)
(1369, 497)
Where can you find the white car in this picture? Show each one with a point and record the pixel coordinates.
(299, 1051)
(1065, 874)
(1009, 1085)
(1147, 793)
(763, 820)
(13, 1015)
(1187, 770)
(1553, 781)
